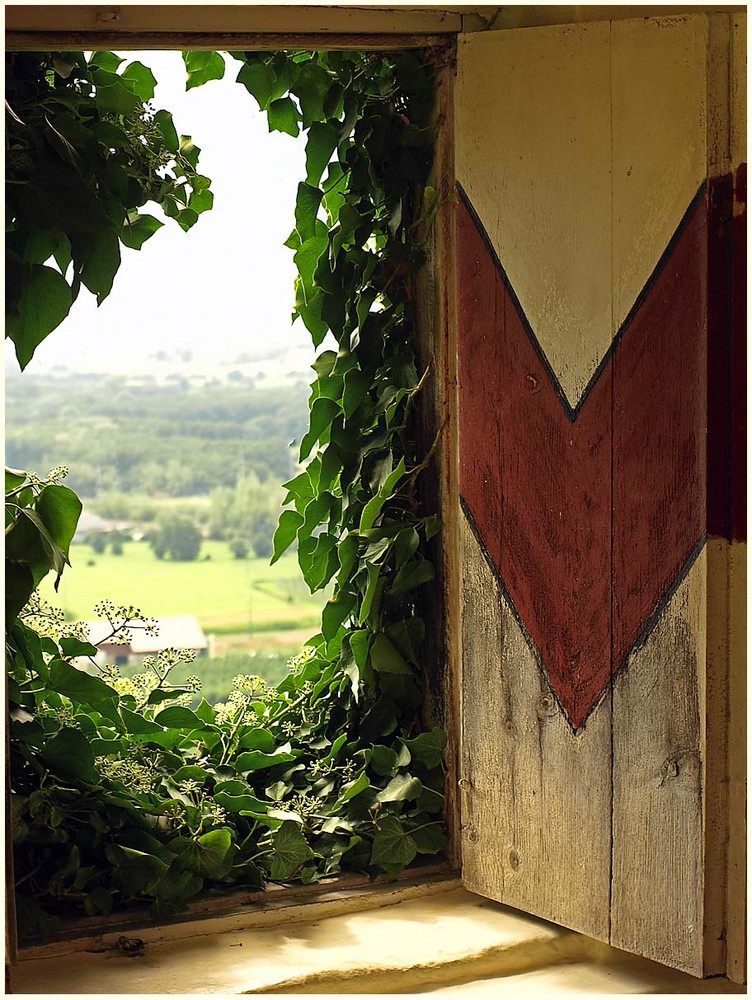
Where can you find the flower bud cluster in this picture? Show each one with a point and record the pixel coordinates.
(131, 772)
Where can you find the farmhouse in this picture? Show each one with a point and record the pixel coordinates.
(175, 632)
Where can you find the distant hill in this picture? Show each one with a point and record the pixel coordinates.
(180, 437)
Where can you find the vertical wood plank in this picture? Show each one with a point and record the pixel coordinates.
(533, 155)
(534, 830)
(532, 121)
(671, 819)
(437, 354)
(659, 73)
(658, 879)
(736, 930)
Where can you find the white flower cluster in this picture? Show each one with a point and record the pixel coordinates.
(304, 804)
(132, 772)
(121, 615)
(304, 656)
(246, 688)
(63, 715)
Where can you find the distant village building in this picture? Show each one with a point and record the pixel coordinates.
(177, 632)
(89, 523)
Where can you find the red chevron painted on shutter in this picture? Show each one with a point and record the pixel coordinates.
(541, 481)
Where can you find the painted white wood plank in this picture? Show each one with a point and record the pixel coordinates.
(537, 798)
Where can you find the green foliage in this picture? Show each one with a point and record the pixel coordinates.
(330, 769)
(121, 793)
(40, 521)
(98, 541)
(238, 546)
(85, 150)
(353, 512)
(177, 537)
(237, 429)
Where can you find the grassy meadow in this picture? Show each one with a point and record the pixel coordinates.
(227, 595)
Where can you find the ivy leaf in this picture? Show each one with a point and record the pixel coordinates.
(386, 658)
(283, 116)
(306, 260)
(383, 760)
(205, 711)
(101, 260)
(430, 801)
(201, 201)
(259, 80)
(240, 803)
(323, 412)
(59, 508)
(141, 79)
(392, 845)
(287, 529)
(430, 839)
(69, 752)
(163, 121)
(306, 206)
(178, 717)
(78, 685)
(19, 586)
(335, 612)
(357, 384)
(257, 760)
(411, 576)
(73, 647)
(427, 747)
(45, 302)
(14, 479)
(203, 67)
(311, 89)
(189, 150)
(352, 788)
(258, 739)
(107, 61)
(401, 788)
(134, 871)
(138, 724)
(289, 851)
(207, 855)
(373, 508)
(322, 141)
(138, 229)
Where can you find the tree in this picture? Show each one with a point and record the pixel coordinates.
(98, 541)
(238, 547)
(177, 537)
(262, 534)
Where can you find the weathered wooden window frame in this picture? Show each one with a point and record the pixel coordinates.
(146, 28)
(222, 28)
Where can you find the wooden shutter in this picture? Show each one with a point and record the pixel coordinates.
(600, 341)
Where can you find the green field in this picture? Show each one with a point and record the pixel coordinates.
(257, 615)
(227, 595)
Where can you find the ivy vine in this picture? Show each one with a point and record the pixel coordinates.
(84, 150)
(121, 791)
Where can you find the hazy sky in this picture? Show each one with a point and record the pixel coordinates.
(225, 287)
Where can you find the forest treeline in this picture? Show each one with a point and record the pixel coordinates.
(175, 438)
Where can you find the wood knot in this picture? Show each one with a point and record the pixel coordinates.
(546, 707)
(472, 834)
(514, 859)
